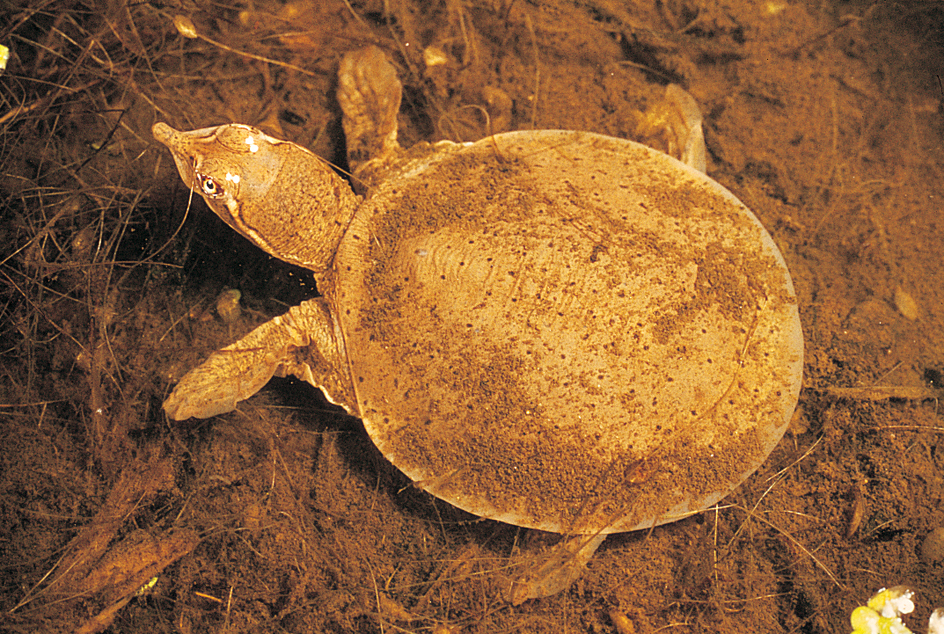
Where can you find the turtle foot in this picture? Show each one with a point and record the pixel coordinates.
(369, 93)
(300, 342)
(555, 570)
(674, 126)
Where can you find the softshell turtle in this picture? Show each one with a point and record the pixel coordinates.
(560, 330)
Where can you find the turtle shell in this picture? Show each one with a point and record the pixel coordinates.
(567, 331)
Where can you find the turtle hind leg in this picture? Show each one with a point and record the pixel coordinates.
(369, 93)
(301, 342)
(674, 126)
(556, 569)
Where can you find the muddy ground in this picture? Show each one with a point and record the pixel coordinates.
(825, 118)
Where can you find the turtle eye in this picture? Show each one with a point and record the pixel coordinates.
(209, 186)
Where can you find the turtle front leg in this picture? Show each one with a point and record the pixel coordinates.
(369, 93)
(303, 342)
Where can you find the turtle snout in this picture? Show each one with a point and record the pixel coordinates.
(164, 133)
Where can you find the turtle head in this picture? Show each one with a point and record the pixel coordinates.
(278, 194)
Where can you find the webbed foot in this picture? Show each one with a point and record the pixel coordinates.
(556, 569)
(674, 126)
(369, 93)
(301, 342)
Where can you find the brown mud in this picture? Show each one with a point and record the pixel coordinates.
(825, 118)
